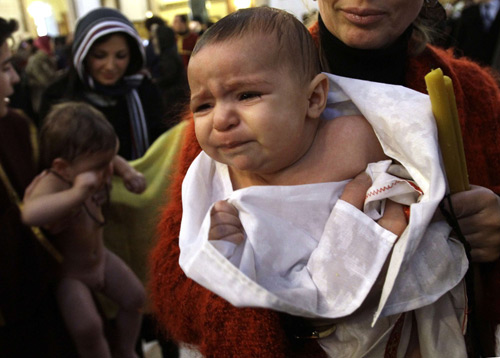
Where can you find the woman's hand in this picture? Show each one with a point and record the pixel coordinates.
(225, 223)
(478, 214)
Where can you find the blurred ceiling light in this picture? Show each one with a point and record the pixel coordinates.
(39, 11)
(241, 4)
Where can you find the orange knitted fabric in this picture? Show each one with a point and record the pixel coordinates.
(192, 314)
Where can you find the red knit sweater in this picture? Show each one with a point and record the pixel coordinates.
(194, 315)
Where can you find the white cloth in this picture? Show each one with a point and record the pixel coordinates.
(308, 253)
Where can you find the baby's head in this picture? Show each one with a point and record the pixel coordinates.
(256, 90)
(281, 33)
(73, 132)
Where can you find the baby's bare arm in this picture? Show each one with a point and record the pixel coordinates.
(225, 223)
(134, 181)
(48, 200)
(394, 220)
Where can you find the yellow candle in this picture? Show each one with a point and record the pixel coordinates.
(458, 131)
(450, 138)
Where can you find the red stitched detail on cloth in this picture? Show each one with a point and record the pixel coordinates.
(391, 349)
(381, 190)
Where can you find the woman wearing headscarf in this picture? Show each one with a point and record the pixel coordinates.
(382, 41)
(107, 62)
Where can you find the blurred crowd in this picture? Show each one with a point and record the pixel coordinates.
(143, 91)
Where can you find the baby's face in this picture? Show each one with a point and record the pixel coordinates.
(249, 110)
(100, 163)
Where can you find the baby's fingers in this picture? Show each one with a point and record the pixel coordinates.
(224, 206)
(225, 223)
(355, 191)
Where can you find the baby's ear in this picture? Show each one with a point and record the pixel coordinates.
(60, 166)
(318, 93)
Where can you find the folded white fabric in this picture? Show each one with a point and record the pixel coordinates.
(310, 254)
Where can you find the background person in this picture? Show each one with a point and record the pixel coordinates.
(172, 78)
(478, 30)
(186, 39)
(41, 70)
(106, 73)
(382, 41)
(151, 56)
(30, 322)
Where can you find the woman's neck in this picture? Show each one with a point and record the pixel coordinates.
(387, 65)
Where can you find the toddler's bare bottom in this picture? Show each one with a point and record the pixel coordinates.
(116, 281)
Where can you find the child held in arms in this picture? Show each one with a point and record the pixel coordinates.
(272, 215)
(79, 151)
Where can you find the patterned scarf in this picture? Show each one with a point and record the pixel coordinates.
(96, 24)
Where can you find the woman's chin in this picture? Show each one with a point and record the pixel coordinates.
(3, 107)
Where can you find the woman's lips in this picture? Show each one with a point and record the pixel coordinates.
(362, 17)
(108, 76)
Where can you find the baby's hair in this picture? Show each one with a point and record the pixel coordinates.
(296, 47)
(72, 129)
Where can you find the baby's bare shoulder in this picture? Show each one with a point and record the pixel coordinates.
(353, 130)
(352, 142)
(43, 184)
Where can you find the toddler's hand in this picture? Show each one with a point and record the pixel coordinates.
(87, 181)
(225, 223)
(134, 181)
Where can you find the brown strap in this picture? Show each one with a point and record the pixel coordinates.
(391, 349)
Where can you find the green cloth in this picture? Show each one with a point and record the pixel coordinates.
(132, 218)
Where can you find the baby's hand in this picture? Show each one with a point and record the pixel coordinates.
(87, 182)
(134, 181)
(225, 223)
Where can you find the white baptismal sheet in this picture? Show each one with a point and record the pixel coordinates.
(310, 254)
